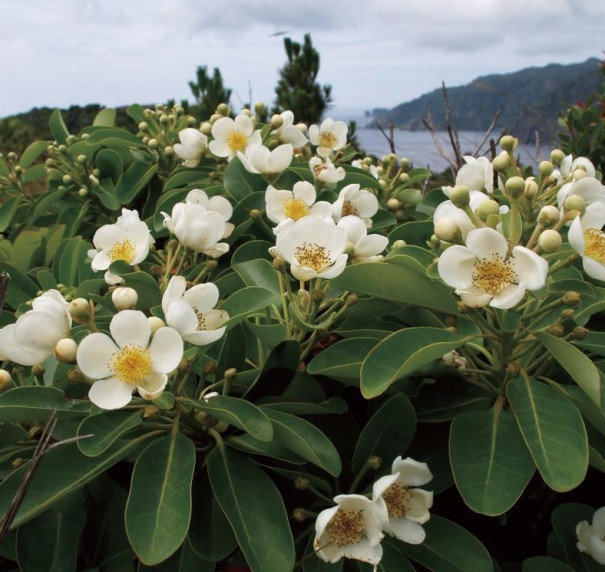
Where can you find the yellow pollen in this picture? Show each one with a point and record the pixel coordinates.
(122, 250)
(295, 208)
(327, 139)
(237, 141)
(349, 208)
(131, 364)
(594, 244)
(346, 527)
(492, 275)
(312, 256)
(397, 499)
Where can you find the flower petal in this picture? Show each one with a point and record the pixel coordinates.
(110, 393)
(130, 327)
(485, 242)
(456, 266)
(412, 473)
(166, 350)
(94, 355)
(407, 531)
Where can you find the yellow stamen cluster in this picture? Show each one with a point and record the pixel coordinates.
(349, 208)
(397, 498)
(312, 256)
(122, 250)
(327, 139)
(492, 275)
(237, 141)
(131, 364)
(594, 244)
(295, 208)
(346, 527)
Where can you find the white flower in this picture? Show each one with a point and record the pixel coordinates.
(372, 169)
(216, 203)
(290, 133)
(483, 273)
(569, 165)
(363, 247)
(331, 136)
(294, 204)
(233, 135)
(477, 174)
(128, 239)
(260, 159)
(351, 529)
(128, 361)
(197, 228)
(325, 171)
(32, 338)
(448, 210)
(589, 188)
(407, 508)
(192, 146)
(355, 201)
(588, 240)
(591, 538)
(190, 312)
(313, 247)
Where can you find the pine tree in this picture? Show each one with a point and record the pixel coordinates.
(297, 89)
(209, 92)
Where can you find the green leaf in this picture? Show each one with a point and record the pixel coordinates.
(110, 164)
(185, 559)
(7, 212)
(158, 509)
(32, 404)
(134, 180)
(403, 353)
(237, 412)
(104, 429)
(105, 118)
(490, 461)
(57, 127)
(71, 264)
(59, 473)
(305, 440)
(449, 548)
(553, 430)
(239, 182)
(113, 136)
(576, 364)
(21, 287)
(248, 301)
(255, 509)
(396, 283)
(273, 448)
(32, 152)
(259, 272)
(387, 434)
(34, 173)
(544, 564)
(45, 202)
(342, 359)
(50, 541)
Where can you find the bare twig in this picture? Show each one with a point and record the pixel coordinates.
(451, 129)
(428, 123)
(491, 127)
(390, 137)
(4, 278)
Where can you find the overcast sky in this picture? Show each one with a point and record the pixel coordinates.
(374, 54)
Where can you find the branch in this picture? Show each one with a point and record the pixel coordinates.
(390, 137)
(451, 129)
(428, 123)
(491, 127)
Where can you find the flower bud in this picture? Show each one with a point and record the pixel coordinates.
(405, 164)
(545, 168)
(557, 330)
(460, 196)
(486, 208)
(374, 462)
(571, 298)
(80, 310)
(567, 313)
(299, 515)
(493, 220)
(66, 179)
(579, 333)
(556, 156)
(143, 126)
(259, 108)
(169, 150)
(404, 178)
(393, 204)
(82, 192)
(509, 143)
(276, 121)
(124, 298)
(515, 187)
(75, 375)
(206, 128)
(448, 230)
(579, 173)
(550, 241)
(351, 299)
(81, 159)
(155, 323)
(575, 203)
(153, 143)
(223, 109)
(400, 243)
(501, 162)
(549, 216)
(531, 189)
(6, 381)
(65, 350)
(301, 483)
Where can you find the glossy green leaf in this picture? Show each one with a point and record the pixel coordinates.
(396, 283)
(59, 473)
(158, 509)
(333, 405)
(449, 548)
(32, 404)
(185, 559)
(544, 564)
(305, 440)
(403, 353)
(21, 287)
(110, 164)
(210, 533)
(274, 449)
(7, 212)
(71, 264)
(57, 127)
(387, 434)
(134, 180)
(105, 118)
(239, 182)
(553, 430)
(32, 152)
(576, 364)
(28, 248)
(45, 202)
(113, 136)
(237, 412)
(248, 301)
(259, 272)
(34, 173)
(104, 429)
(255, 509)
(342, 359)
(490, 461)
(50, 541)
